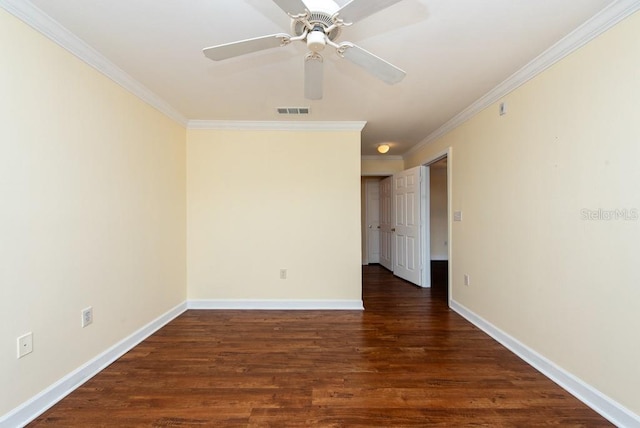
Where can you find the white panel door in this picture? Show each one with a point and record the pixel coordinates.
(372, 215)
(386, 223)
(407, 218)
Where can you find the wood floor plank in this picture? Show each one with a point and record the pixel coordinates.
(407, 360)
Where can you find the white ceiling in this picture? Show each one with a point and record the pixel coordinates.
(454, 51)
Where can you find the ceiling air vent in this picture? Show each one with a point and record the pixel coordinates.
(293, 110)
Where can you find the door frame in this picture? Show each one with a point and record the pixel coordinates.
(368, 182)
(425, 226)
(446, 153)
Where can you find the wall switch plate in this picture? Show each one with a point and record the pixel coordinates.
(87, 316)
(25, 344)
(467, 280)
(283, 274)
(457, 216)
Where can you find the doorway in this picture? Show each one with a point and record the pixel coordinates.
(438, 225)
(435, 203)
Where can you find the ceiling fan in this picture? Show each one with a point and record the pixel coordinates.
(318, 23)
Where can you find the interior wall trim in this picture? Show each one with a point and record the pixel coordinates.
(598, 24)
(306, 305)
(40, 21)
(610, 409)
(38, 404)
(248, 125)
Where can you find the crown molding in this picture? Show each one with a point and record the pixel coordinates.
(40, 21)
(381, 158)
(598, 24)
(37, 19)
(246, 125)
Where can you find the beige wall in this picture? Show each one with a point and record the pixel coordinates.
(261, 201)
(566, 287)
(379, 166)
(92, 188)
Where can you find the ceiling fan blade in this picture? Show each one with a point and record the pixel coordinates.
(313, 76)
(242, 47)
(378, 67)
(357, 10)
(291, 7)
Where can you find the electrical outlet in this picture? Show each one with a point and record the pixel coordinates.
(25, 344)
(283, 274)
(467, 280)
(87, 316)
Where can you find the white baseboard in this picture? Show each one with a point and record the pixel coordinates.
(25, 413)
(311, 305)
(31, 409)
(604, 405)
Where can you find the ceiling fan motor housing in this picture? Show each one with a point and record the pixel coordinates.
(318, 19)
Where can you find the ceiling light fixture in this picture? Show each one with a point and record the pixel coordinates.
(383, 148)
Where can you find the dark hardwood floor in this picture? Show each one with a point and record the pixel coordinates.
(407, 360)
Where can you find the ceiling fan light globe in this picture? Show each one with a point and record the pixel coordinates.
(316, 41)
